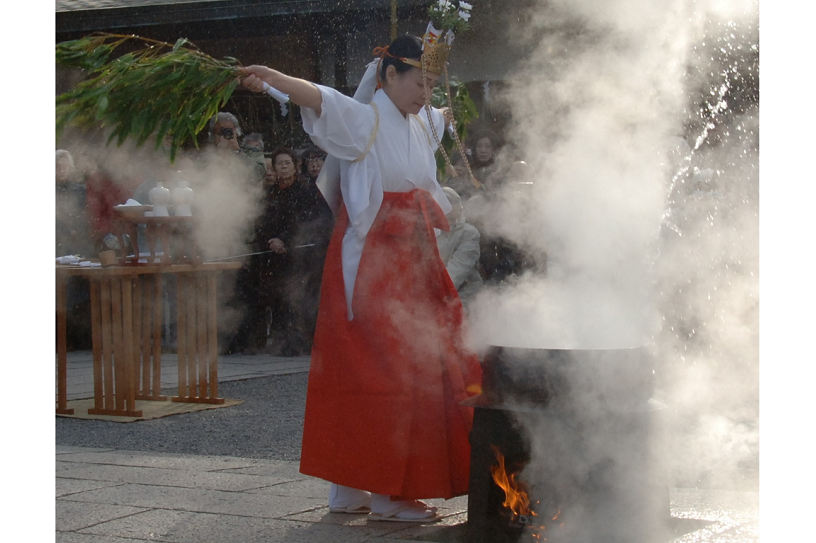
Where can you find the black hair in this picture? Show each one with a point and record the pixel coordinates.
(313, 151)
(256, 137)
(489, 134)
(405, 46)
(495, 142)
(283, 151)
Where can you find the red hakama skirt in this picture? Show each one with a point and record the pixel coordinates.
(383, 406)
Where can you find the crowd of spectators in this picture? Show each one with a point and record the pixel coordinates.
(274, 296)
(498, 259)
(279, 285)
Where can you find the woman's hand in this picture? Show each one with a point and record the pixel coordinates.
(277, 245)
(253, 77)
(300, 91)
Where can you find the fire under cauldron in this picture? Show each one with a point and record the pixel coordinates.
(578, 427)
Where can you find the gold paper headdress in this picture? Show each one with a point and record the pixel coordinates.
(449, 16)
(435, 56)
(446, 18)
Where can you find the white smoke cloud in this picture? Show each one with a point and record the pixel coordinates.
(644, 245)
(226, 200)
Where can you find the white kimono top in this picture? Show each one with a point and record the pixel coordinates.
(400, 159)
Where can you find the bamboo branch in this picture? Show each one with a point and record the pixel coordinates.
(160, 90)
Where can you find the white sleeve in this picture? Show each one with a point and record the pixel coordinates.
(344, 126)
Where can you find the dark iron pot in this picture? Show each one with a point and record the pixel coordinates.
(580, 428)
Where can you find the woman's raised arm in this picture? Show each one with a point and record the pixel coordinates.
(300, 91)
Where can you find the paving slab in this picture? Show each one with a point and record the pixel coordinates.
(179, 477)
(716, 515)
(72, 449)
(75, 516)
(187, 527)
(199, 500)
(157, 460)
(66, 487)
(184, 526)
(129, 496)
(324, 517)
(75, 537)
(303, 486)
(272, 468)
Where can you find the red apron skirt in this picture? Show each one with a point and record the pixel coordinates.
(383, 405)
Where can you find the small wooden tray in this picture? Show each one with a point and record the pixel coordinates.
(132, 212)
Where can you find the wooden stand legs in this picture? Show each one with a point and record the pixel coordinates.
(114, 346)
(62, 347)
(197, 339)
(126, 327)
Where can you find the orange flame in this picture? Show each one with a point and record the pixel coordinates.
(515, 496)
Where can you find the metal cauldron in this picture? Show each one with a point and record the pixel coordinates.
(579, 426)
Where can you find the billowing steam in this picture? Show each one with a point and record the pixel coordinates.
(225, 200)
(639, 122)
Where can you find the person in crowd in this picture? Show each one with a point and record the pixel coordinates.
(485, 147)
(72, 232)
(459, 249)
(269, 177)
(384, 419)
(104, 189)
(313, 158)
(224, 132)
(500, 258)
(458, 178)
(73, 238)
(254, 142)
(235, 177)
(292, 233)
(253, 146)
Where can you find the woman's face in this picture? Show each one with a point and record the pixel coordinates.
(314, 165)
(407, 89)
(269, 177)
(484, 150)
(284, 168)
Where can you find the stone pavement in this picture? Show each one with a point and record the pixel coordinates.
(115, 496)
(128, 496)
(120, 496)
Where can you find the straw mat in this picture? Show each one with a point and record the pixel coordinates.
(151, 409)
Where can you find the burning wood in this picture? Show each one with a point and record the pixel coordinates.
(516, 498)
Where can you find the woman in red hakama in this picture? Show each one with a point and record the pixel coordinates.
(389, 370)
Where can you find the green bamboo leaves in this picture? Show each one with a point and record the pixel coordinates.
(163, 91)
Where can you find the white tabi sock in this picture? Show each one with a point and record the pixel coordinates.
(346, 497)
